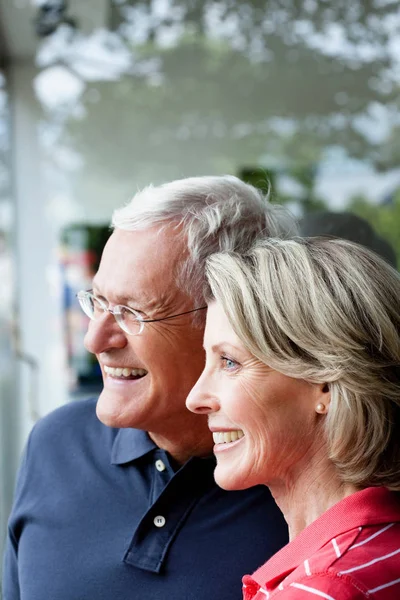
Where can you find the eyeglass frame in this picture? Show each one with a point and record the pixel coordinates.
(117, 312)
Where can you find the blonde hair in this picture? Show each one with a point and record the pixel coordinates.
(327, 311)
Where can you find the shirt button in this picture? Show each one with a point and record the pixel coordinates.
(160, 465)
(159, 521)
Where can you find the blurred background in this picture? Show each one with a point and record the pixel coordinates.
(101, 97)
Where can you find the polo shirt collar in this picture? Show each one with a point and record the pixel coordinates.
(129, 445)
(371, 506)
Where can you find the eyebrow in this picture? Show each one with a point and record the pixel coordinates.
(221, 346)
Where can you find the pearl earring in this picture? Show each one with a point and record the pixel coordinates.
(320, 408)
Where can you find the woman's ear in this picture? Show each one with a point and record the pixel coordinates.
(323, 398)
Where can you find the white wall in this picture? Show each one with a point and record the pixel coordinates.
(43, 387)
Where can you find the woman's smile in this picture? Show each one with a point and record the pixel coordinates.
(226, 439)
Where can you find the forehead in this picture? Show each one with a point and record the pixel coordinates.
(218, 329)
(140, 264)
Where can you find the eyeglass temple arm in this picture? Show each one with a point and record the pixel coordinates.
(173, 316)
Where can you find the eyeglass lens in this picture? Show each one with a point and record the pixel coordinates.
(94, 308)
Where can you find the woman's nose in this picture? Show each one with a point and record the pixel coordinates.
(201, 400)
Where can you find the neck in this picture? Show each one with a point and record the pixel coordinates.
(190, 440)
(305, 496)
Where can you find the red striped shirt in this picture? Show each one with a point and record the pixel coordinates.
(352, 552)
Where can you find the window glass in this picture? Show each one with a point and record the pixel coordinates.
(8, 390)
(304, 94)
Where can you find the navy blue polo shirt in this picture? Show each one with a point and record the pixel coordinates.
(102, 513)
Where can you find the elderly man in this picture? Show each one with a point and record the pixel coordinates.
(124, 505)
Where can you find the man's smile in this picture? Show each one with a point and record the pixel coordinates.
(124, 372)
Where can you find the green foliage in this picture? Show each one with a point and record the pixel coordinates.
(264, 179)
(384, 218)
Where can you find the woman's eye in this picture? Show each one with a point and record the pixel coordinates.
(229, 363)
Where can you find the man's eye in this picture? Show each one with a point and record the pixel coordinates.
(96, 304)
(130, 314)
(228, 363)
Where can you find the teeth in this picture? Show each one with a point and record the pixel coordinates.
(225, 437)
(234, 436)
(124, 372)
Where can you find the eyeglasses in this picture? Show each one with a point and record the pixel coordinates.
(127, 318)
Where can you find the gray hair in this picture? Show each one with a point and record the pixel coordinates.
(211, 213)
(326, 311)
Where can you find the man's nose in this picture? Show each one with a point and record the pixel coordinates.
(104, 334)
(201, 400)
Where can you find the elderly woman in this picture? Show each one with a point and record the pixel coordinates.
(302, 391)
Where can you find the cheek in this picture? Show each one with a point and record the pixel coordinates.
(246, 405)
(266, 439)
(274, 425)
(175, 341)
(174, 362)
(277, 443)
(151, 348)
(271, 452)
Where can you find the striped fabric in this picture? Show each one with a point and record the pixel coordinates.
(352, 552)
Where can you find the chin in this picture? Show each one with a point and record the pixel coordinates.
(107, 417)
(112, 411)
(229, 482)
